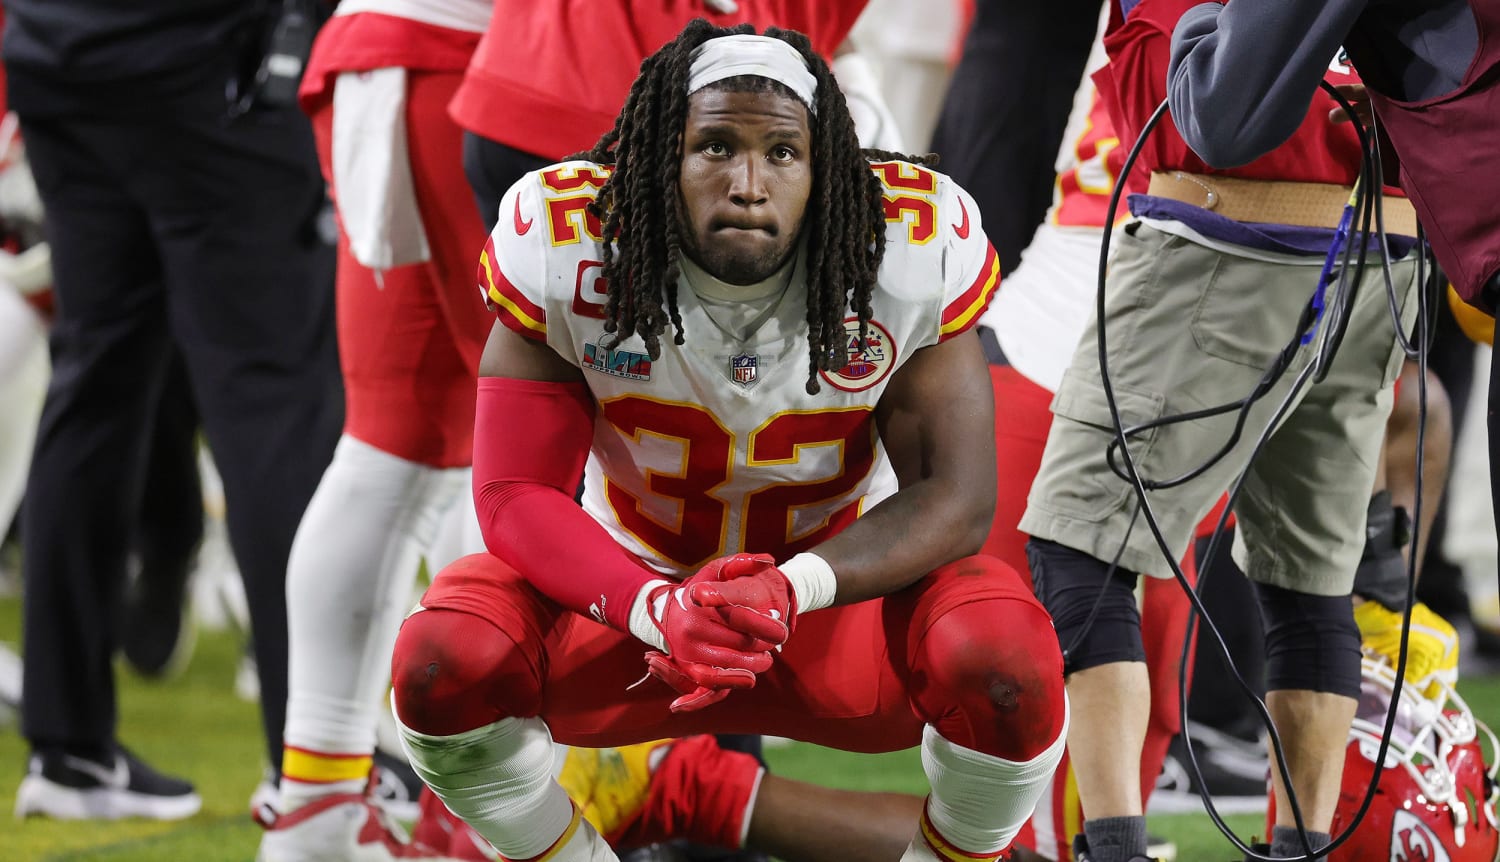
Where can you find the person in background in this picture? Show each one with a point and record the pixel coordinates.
(182, 208)
(1209, 288)
(1006, 107)
(1429, 79)
(524, 103)
(410, 331)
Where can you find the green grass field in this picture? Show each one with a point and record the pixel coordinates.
(194, 726)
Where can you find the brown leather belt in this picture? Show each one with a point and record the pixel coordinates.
(1272, 202)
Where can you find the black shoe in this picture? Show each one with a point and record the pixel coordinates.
(397, 788)
(1081, 851)
(74, 787)
(654, 853)
(156, 634)
(1234, 773)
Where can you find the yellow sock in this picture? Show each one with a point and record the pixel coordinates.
(307, 775)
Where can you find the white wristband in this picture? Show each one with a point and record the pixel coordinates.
(812, 580)
(641, 624)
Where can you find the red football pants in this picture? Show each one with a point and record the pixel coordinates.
(409, 341)
(967, 649)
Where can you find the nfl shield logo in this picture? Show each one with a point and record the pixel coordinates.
(742, 369)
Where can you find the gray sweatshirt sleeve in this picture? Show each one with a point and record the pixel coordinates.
(1242, 76)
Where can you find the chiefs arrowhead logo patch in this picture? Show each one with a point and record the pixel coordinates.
(962, 229)
(523, 226)
(867, 361)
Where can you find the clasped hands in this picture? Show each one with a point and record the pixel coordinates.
(721, 627)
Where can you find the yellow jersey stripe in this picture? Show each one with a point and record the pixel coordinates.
(500, 297)
(962, 321)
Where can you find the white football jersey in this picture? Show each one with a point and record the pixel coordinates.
(716, 447)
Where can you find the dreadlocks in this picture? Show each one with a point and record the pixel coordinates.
(844, 226)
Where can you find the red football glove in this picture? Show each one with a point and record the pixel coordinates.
(715, 640)
(752, 594)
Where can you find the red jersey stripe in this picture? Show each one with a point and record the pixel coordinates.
(962, 312)
(512, 306)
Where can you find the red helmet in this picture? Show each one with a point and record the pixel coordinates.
(1437, 798)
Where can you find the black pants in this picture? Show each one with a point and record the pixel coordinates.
(492, 168)
(1215, 698)
(171, 518)
(186, 227)
(1003, 117)
(1450, 357)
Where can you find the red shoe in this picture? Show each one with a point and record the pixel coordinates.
(345, 827)
(686, 788)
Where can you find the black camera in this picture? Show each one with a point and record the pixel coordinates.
(281, 46)
(287, 50)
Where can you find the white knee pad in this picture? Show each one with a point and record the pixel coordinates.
(979, 802)
(499, 779)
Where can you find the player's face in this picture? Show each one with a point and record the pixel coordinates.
(746, 177)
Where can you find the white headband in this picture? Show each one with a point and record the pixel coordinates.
(729, 56)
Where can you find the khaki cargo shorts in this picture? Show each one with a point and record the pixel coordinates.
(1190, 328)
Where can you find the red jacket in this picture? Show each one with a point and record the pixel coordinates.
(370, 40)
(550, 75)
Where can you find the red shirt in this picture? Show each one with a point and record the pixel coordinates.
(1135, 82)
(1084, 188)
(550, 75)
(371, 40)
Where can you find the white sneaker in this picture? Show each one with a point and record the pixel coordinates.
(71, 787)
(265, 800)
(345, 827)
